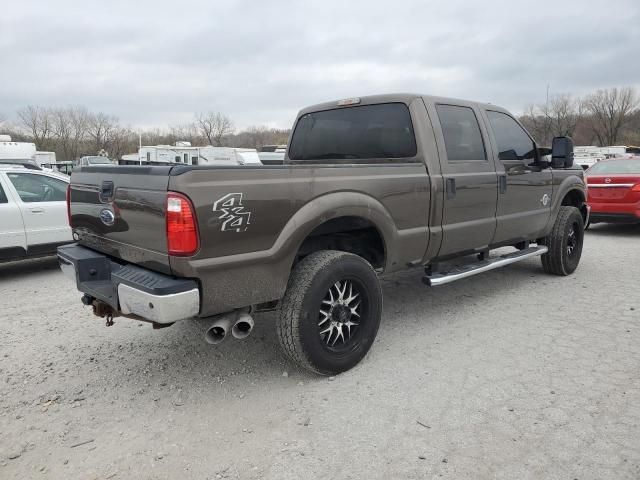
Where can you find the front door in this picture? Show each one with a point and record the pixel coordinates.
(470, 180)
(524, 201)
(12, 237)
(44, 207)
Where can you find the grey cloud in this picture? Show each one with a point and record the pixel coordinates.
(154, 63)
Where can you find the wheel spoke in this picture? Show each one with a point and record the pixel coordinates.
(325, 317)
(338, 313)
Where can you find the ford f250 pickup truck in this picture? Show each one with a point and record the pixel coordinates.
(369, 186)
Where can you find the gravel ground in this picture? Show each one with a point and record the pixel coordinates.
(510, 374)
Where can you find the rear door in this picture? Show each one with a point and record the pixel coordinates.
(13, 241)
(524, 201)
(469, 175)
(42, 202)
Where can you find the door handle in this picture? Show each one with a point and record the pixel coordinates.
(36, 210)
(451, 188)
(502, 183)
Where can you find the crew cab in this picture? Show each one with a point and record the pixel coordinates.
(33, 212)
(369, 186)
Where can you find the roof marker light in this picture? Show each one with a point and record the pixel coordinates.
(348, 101)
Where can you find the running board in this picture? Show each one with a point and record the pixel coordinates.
(469, 270)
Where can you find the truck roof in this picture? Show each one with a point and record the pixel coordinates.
(391, 98)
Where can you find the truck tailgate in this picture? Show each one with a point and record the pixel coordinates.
(120, 211)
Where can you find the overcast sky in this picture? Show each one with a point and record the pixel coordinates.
(154, 63)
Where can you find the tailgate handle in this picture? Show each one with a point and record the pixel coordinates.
(106, 191)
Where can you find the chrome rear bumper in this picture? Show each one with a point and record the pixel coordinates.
(130, 289)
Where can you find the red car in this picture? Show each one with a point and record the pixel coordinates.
(614, 190)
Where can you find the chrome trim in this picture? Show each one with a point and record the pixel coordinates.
(159, 308)
(609, 185)
(68, 269)
(474, 269)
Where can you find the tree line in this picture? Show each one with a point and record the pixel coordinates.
(72, 132)
(604, 117)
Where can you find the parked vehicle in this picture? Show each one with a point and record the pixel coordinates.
(33, 212)
(614, 191)
(369, 186)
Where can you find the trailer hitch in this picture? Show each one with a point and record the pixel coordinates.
(100, 309)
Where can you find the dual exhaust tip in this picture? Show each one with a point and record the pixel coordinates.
(239, 325)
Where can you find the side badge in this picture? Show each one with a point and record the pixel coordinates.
(232, 213)
(545, 200)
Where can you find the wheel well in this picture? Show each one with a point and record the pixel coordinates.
(356, 235)
(575, 198)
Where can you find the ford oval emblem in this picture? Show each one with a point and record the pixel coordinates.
(107, 217)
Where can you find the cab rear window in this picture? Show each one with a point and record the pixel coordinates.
(367, 132)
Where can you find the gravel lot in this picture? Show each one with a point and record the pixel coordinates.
(510, 374)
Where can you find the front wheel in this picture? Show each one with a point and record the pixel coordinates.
(564, 242)
(330, 313)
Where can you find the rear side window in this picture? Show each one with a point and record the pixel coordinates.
(3, 196)
(365, 132)
(38, 188)
(513, 142)
(461, 131)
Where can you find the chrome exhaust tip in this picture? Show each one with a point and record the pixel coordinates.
(243, 326)
(218, 331)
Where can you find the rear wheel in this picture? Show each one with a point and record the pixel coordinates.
(330, 314)
(564, 242)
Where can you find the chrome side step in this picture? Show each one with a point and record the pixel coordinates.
(458, 273)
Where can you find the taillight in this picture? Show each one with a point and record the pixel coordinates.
(636, 188)
(182, 231)
(69, 204)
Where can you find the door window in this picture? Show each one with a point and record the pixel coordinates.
(512, 141)
(38, 188)
(461, 131)
(3, 196)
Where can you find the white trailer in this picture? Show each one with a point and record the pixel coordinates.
(184, 153)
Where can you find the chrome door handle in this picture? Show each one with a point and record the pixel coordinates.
(36, 210)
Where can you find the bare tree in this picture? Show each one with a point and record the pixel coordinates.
(122, 140)
(214, 126)
(100, 130)
(70, 126)
(537, 123)
(557, 117)
(38, 123)
(610, 110)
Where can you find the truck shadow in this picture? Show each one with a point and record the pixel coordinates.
(21, 268)
(179, 355)
(612, 229)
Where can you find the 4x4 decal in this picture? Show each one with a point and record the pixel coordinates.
(233, 215)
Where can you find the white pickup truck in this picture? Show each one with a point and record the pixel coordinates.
(33, 212)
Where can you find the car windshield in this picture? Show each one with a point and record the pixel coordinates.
(99, 161)
(616, 166)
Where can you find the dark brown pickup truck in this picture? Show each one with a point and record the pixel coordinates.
(369, 186)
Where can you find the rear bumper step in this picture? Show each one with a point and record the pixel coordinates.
(458, 273)
(130, 289)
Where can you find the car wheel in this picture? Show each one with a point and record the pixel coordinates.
(564, 242)
(330, 313)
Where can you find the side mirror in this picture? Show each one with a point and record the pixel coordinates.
(562, 152)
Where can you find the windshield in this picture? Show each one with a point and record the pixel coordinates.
(365, 132)
(615, 166)
(99, 161)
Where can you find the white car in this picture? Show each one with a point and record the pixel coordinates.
(33, 212)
